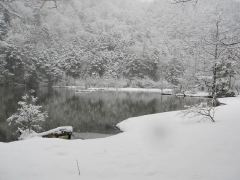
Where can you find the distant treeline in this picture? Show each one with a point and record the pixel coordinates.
(132, 40)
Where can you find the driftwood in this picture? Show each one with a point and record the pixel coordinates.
(60, 132)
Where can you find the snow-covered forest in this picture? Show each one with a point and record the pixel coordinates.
(155, 85)
(120, 43)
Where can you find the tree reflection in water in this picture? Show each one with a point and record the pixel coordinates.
(97, 112)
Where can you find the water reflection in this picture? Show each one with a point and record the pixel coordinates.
(97, 112)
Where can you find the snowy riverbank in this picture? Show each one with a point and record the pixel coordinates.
(159, 146)
(80, 89)
(162, 91)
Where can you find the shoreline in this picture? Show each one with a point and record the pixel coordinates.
(185, 146)
(167, 91)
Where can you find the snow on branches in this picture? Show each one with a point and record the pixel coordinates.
(28, 116)
(203, 110)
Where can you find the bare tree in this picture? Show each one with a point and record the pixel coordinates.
(203, 110)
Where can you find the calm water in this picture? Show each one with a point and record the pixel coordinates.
(96, 112)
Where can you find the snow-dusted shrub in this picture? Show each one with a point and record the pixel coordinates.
(26, 134)
(204, 110)
(28, 116)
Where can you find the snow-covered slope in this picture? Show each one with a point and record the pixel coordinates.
(160, 146)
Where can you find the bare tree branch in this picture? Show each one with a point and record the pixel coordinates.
(9, 9)
(230, 44)
(184, 1)
(203, 110)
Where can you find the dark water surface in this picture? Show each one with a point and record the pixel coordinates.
(96, 112)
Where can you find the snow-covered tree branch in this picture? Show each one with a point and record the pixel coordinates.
(28, 116)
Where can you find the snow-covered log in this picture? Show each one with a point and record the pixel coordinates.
(60, 132)
(64, 132)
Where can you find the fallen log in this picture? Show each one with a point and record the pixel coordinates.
(60, 132)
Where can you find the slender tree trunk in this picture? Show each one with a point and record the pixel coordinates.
(214, 85)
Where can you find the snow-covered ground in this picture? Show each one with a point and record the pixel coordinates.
(165, 146)
(81, 89)
(153, 90)
(196, 94)
(148, 90)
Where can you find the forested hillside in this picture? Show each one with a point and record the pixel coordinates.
(172, 45)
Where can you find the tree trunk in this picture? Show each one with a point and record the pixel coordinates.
(214, 85)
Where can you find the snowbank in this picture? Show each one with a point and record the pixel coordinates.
(146, 90)
(164, 91)
(197, 94)
(161, 146)
(81, 89)
(27, 134)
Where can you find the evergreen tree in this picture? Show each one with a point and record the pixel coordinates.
(28, 116)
